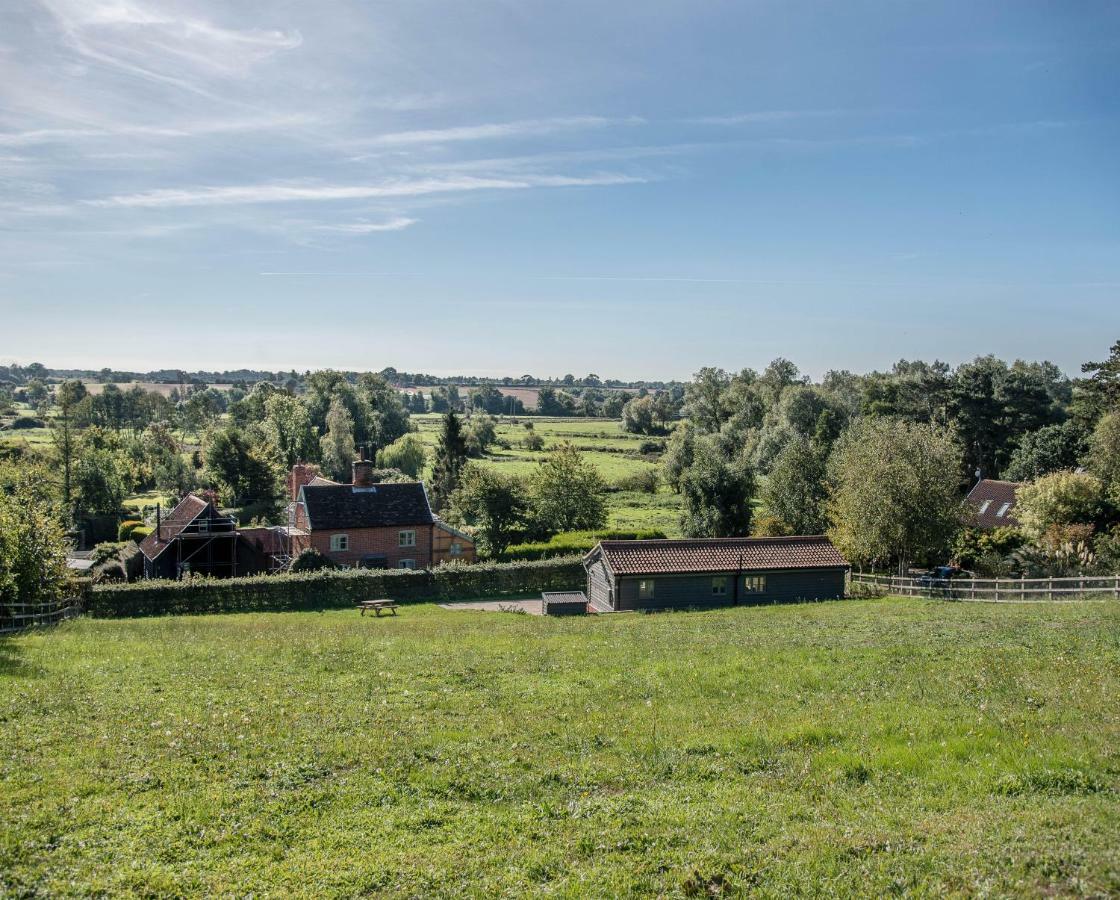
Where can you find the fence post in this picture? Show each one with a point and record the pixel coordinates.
(1022, 588)
(1050, 588)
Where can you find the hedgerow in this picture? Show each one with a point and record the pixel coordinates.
(572, 542)
(332, 589)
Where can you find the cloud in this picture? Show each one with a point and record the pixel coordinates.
(770, 115)
(493, 130)
(181, 130)
(396, 224)
(297, 192)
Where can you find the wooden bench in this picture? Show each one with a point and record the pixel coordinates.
(378, 605)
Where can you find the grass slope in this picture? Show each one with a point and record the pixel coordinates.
(859, 747)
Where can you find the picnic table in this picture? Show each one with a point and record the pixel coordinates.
(377, 606)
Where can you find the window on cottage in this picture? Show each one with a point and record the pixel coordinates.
(407, 564)
(754, 584)
(719, 587)
(456, 549)
(340, 542)
(645, 589)
(407, 539)
(1003, 510)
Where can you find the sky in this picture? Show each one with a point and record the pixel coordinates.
(634, 189)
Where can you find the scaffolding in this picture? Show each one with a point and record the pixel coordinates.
(196, 543)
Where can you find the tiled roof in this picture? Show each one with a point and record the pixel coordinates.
(381, 505)
(720, 555)
(172, 525)
(988, 498)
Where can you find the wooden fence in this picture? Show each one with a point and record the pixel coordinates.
(991, 590)
(18, 616)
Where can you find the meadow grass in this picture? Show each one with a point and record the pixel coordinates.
(853, 747)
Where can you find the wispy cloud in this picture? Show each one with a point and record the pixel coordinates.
(179, 130)
(288, 192)
(398, 223)
(770, 115)
(494, 130)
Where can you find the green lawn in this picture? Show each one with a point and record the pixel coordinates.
(857, 747)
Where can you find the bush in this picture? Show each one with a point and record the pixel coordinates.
(647, 447)
(125, 529)
(571, 542)
(140, 532)
(106, 551)
(335, 589)
(533, 441)
(311, 560)
(27, 422)
(646, 482)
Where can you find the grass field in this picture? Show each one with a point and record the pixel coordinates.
(855, 747)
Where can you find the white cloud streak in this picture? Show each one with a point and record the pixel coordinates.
(494, 130)
(398, 223)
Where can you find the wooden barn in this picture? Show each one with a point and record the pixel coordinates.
(194, 538)
(710, 572)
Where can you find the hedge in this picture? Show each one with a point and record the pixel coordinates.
(334, 589)
(571, 542)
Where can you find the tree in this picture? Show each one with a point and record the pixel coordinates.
(481, 433)
(241, 470)
(567, 493)
(451, 454)
(33, 549)
(1058, 499)
(678, 455)
(406, 454)
(493, 503)
(795, 493)
(67, 397)
(894, 491)
(288, 427)
(978, 413)
(638, 416)
(704, 399)
(717, 492)
(1049, 449)
(1100, 392)
(389, 417)
(337, 448)
(1104, 454)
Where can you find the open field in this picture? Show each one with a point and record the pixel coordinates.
(853, 747)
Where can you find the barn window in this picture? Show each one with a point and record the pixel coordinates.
(645, 589)
(407, 539)
(719, 587)
(340, 542)
(456, 549)
(754, 584)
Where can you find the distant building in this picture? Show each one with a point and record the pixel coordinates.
(384, 525)
(993, 503)
(677, 574)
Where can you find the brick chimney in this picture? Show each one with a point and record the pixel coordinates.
(363, 473)
(300, 475)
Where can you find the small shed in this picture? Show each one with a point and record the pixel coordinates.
(564, 603)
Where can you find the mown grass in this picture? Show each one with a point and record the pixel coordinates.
(856, 747)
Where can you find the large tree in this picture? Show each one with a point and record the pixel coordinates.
(241, 470)
(288, 428)
(451, 455)
(406, 454)
(717, 492)
(894, 492)
(1104, 454)
(337, 447)
(567, 493)
(1049, 449)
(494, 503)
(1059, 499)
(388, 415)
(795, 493)
(32, 549)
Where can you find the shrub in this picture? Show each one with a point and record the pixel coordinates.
(335, 589)
(125, 529)
(140, 532)
(311, 560)
(533, 441)
(27, 422)
(571, 542)
(646, 481)
(104, 552)
(646, 447)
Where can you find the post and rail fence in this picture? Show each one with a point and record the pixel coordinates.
(989, 590)
(20, 616)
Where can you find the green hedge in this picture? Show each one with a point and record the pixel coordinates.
(571, 542)
(333, 589)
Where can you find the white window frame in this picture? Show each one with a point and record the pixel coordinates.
(406, 538)
(719, 586)
(754, 584)
(646, 588)
(406, 564)
(340, 543)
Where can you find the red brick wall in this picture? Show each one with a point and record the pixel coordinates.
(364, 541)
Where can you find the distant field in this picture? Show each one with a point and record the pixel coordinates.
(157, 386)
(850, 748)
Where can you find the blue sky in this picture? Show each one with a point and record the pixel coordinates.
(635, 189)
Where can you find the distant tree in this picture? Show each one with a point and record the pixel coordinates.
(704, 399)
(33, 549)
(451, 455)
(1104, 454)
(638, 416)
(1058, 499)
(533, 441)
(551, 402)
(1100, 391)
(240, 470)
(678, 454)
(337, 449)
(1048, 449)
(894, 491)
(406, 453)
(328, 385)
(716, 491)
(977, 412)
(481, 433)
(388, 415)
(493, 503)
(795, 493)
(98, 480)
(38, 395)
(486, 398)
(67, 397)
(567, 493)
